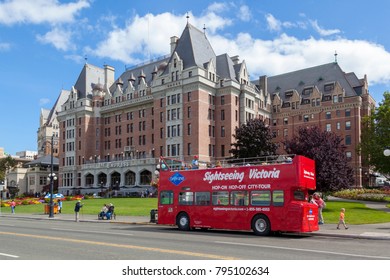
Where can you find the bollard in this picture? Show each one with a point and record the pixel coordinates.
(153, 216)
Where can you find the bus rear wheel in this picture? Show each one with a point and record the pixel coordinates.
(183, 221)
(261, 225)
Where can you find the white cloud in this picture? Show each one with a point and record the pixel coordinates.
(76, 58)
(139, 38)
(274, 24)
(143, 36)
(44, 101)
(321, 31)
(58, 37)
(287, 53)
(217, 7)
(244, 13)
(39, 11)
(5, 47)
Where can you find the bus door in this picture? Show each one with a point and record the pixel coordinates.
(201, 216)
(166, 210)
(279, 218)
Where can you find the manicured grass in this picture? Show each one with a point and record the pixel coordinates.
(123, 206)
(356, 213)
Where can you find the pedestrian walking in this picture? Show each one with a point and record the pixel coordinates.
(59, 205)
(342, 219)
(77, 208)
(13, 204)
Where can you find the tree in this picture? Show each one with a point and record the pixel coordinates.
(326, 149)
(5, 164)
(376, 137)
(253, 139)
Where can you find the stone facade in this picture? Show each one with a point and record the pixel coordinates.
(189, 103)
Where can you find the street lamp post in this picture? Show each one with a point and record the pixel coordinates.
(51, 177)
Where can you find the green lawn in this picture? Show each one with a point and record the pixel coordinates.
(356, 213)
(123, 206)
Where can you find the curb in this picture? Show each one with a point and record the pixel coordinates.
(323, 234)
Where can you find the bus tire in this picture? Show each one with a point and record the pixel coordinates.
(261, 225)
(183, 221)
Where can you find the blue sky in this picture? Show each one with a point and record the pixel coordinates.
(44, 44)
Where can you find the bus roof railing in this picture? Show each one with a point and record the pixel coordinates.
(270, 159)
(263, 160)
(176, 164)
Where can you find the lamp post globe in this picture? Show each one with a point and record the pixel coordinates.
(386, 152)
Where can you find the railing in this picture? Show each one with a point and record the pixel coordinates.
(176, 164)
(119, 163)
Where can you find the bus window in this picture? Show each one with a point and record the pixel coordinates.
(299, 195)
(239, 198)
(261, 198)
(186, 198)
(220, 198)
(166, 197)
(202, 198)
(277, 198)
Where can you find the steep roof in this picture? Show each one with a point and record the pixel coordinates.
(89, 75)
(314, 76)
(145, 69)
(225, 67)
(64, 95)
(194, 48)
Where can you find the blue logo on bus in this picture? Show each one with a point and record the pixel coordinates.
(310, 211)
(176, 179)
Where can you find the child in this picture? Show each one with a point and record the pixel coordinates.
(341, 220)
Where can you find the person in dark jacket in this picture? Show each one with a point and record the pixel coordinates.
(77, 208)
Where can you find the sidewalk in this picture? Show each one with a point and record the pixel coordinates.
(366, 231)
(83, 218)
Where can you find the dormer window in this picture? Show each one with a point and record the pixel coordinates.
(288, 93)
(329, 87)
(307, 91)
(286, 104)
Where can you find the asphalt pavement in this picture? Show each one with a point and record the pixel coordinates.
(365, 231)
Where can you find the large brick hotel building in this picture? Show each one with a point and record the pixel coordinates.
(189, 103)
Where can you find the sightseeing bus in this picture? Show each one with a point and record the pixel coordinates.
(263, 196)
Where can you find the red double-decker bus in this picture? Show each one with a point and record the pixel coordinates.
(267, 196)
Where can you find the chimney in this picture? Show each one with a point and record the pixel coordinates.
(109, 73)
(235, 59)
(174, 41)
(263, 84)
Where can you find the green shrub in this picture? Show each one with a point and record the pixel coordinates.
(363, 194)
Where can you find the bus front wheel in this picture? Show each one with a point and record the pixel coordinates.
(183, 221)
(261, 225)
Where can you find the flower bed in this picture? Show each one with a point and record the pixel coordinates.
(364, 194)
(34, 200)
(21, 201)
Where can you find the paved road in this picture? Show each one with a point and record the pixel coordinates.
(366, 231)
(62, 239)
